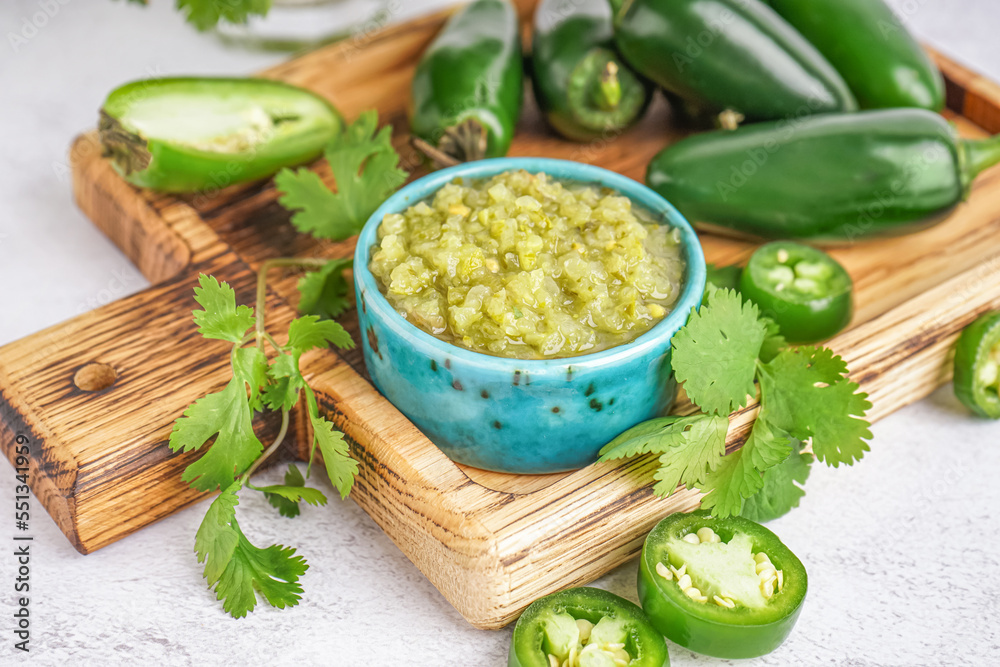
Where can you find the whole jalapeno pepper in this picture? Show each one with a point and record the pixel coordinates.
(977, 366)
(580, 83)
(877, 56)
(806, 292)
(467, 89)
(828, 178)
(735, 55)
(727, 588)
(185, 134)
(585, 627)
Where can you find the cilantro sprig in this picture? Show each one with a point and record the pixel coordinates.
(724, 353)
(234, 567)
(365, 167)
(206, 14)
(366, 170)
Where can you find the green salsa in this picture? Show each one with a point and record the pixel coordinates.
(522, 265)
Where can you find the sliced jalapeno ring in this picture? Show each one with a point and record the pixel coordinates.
(804, 290)
(977, 366)
(585, 627)
(727, 588)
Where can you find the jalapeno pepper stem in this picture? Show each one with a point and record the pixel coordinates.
(609, 87)
(306, 263)
(980, 155)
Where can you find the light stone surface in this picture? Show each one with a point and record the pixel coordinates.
(902, 550)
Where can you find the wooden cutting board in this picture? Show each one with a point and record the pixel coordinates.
(490, 542)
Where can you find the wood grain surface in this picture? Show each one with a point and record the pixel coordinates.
(490, 542)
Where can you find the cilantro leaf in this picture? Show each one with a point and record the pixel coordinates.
(805, 392)
(782, 489)
(220, 319)
(340, 467)
(651, 436)
(286, 381)
(285, 498)
(715, 354)
(235, 568)
(206, 14)
(215, 541)
(739, 475)
(773, 343)
(731, 482)
(229, 415)
(702, 450)
(324, 292)
(304, 333)
(308, 332)
(365, 168)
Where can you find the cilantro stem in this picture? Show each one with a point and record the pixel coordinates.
(274, 343)
(305, 263)
(245, 477)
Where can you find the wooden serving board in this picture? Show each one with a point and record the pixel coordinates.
(490, 542)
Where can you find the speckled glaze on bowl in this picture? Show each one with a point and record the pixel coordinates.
(515, 415)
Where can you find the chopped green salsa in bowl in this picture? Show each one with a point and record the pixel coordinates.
(524, 265)
(519, 310)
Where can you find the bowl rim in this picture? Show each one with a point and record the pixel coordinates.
(568, 170)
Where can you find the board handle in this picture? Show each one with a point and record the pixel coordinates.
(94, 400)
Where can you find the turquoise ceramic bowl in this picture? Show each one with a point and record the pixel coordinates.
(515, 415)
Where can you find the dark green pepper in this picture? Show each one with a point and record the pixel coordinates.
(721, 277)
(585, 627)
(880, 61)
(190, 134)
(835, 177)
(735, 55)
(580, 83)
(807, 293)
(727, 588)
(977, 366)
(467, 89)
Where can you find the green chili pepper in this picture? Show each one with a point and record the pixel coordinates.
(723, 277)
(191, 134)
(977, 366)
(835, 177)
(806, 292)
(722, 587)
(466, 92)
(580, 83)
(880, 61)
(736, 55)
(585, 627)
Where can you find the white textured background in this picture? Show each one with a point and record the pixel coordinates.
(903, 550)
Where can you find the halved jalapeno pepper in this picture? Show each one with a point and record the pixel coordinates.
(977, 366)
(804, 290)
(722, 587)
(188, 134)
(585, 627)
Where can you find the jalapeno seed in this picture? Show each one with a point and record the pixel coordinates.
(770, 578)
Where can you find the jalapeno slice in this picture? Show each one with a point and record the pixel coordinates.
(977, 366)
(727, 588)
(585, 627)
(804, 290)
